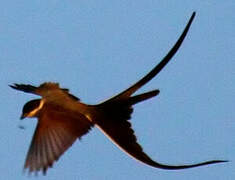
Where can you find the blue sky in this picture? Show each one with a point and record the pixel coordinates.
(99, 48)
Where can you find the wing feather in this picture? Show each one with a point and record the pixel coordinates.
(56, 131)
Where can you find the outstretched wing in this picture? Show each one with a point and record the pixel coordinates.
(56, 131)
(43, 89)
(128, 92)
(24, 87)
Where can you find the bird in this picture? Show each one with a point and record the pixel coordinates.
(63, 118)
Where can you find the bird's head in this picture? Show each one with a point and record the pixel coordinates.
(32, 108)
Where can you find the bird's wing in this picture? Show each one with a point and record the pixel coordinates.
(128, 92)
(24, 87)
(56, 131)
(43, 90)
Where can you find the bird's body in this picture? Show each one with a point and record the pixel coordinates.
(62, 118)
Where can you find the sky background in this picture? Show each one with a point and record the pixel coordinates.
(97, 48)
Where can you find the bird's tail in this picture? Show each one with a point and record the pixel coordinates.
(141, 97)
(114, 122)
(114, 115)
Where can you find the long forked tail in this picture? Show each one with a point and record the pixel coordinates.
(115, 115)
(115, 124)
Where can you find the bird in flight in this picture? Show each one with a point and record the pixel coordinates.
(62, 118)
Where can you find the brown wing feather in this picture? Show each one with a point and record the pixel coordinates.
(42, 90)
(56, 131)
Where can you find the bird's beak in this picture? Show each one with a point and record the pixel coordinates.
(22, 117)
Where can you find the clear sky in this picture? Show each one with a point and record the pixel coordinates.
(97, 48)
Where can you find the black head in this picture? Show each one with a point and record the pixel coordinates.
(31, 108)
